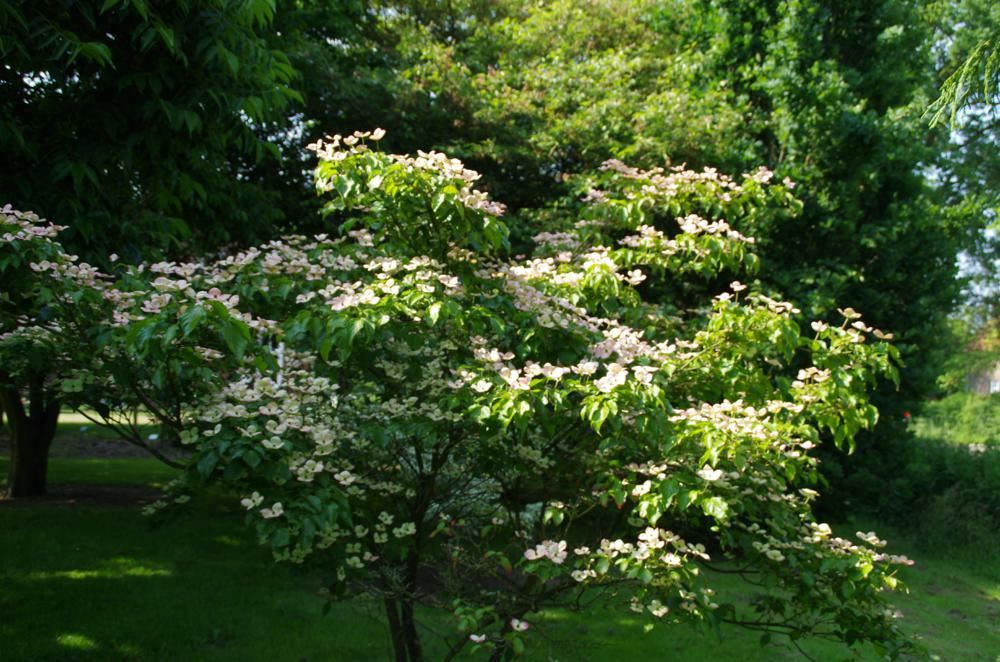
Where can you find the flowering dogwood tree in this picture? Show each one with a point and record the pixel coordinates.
(29, 403)
(75, 337)
(56, 316)
(441, 424)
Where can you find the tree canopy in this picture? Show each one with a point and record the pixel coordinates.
(438, 423)
(139, 125)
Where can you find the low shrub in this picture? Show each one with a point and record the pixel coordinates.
(962, 418)
(947, 495)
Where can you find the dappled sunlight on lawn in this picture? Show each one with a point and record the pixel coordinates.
(116, 568)
(77, 642)
(229, 541)
(107, 583)
(80, 646)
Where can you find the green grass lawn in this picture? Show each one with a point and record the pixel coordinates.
(101, 582)
(145, 472)
(74, 425)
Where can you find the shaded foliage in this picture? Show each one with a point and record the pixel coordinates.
(140, 124)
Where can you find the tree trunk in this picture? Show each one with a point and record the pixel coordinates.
(500, 647)
(412, 637)
(396, 630)
(31, 434)
(406, 645)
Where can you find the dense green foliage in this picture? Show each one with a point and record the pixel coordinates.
(830, 96)
(141, 125)
(946, 479)
(973, 59)
(968, 34)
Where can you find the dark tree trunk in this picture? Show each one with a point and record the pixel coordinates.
(410, 633)
(396, 630)
(406, 645)
(31, 434)
(500, 648)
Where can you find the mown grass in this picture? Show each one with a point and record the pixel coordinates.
(144, 472)
(73, 423)
(104, 583)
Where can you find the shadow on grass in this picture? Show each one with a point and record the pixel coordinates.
(102, 584)
(86, 583)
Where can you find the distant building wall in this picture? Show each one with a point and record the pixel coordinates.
(987, 381)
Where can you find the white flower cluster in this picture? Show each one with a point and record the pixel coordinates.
(695, 225)
(661, 183)
(25, 226)
(549, 549)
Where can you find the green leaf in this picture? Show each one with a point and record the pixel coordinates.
(191, 318)
(237, 336)
(325, 345)
(170, 334)
(355, 330)
(207, 463)
(433, 312)
(280, 538)
(715, 507)
(97, 52)
(230, 59)
(343, 185)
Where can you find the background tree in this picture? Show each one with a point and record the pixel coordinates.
(829, 95)
(351, 58)
(966, 37)
(139, 125)
(971, 58)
